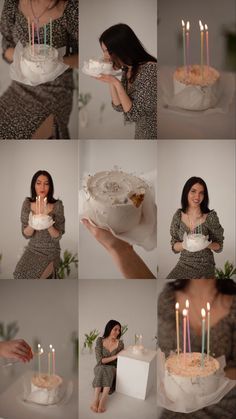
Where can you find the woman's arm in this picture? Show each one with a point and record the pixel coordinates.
(28, 231)
(8, 55)
(109, 359)
(117, 91)
(124, 256)
(178, 247)
(72, 60)
(230, 373)
(58, 228)
(16, 349)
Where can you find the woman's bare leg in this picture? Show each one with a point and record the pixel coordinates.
(103, 400)
(45, 130)
(94, 405)
(48, 271)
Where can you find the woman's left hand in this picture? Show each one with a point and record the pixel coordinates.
(107, 78)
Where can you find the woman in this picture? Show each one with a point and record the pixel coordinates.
(195, 216)
(16, 349)
(136, 94)
(41, 257)
(123, 254)
(107, 349)
(43, 111)
(221, 294)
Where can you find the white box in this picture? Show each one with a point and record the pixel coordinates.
(136, 373)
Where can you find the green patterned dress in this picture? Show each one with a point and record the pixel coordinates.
(199, 264)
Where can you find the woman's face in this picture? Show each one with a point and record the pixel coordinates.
(42, 186)
(115, 331)
(196, 195)
(106, 54)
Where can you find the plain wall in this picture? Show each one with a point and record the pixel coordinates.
(177, 161)
(141, 16)
(132, 303)
(137, 157)
(216, 14)
(46, 312)
(19, 160)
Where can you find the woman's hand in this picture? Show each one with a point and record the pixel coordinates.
(9, 53)
(107, 78)
(105, 237)
(16, 349)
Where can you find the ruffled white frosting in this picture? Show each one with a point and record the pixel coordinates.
(196, 90)
(116, 197)
(40, 221)
(42, 59)
(196, 242)
(46, 389)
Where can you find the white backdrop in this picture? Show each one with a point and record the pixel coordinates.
(212, 160)
(95, 17)
(19, 160)
(216, 14)
(138, 157)
(5, 81)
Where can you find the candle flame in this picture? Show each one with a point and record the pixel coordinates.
(183, 24)
(50, 346)
(187, 303)
(188, 26)
(208, 307)
(206, 27)
(185, 312)
(177, 306)
(41, 351)
(203, 313)
(53, 350)
(201, 26)
(39, 346)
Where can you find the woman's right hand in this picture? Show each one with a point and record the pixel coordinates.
(8, 55)
(16, 349)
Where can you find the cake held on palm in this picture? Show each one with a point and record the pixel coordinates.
(114, 200)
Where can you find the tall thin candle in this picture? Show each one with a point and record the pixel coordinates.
(45, 35)
(184, 44)
(51, 32)
(33, 36)
(45, 205)
(203, 313)
(177, 325)
(208, 329)
(184, 330)
(53, 361)
(207, 46)
(49, 360)
(187, 41)
(188, 326)
(202, 44)
(29, 31)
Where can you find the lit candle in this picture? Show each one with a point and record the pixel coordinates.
(37, 29)
(177, 325)
(51, 32)
(208, 329)
(203, 313)
(29, 31)
(184, 330)
(188, 327)
(184, 44)
(207, 46)
(39, 204)
(40, 352)
(140, 340)
(202, 40)
(45, 204)
(49, 360)
(187, 41)
(53, 361)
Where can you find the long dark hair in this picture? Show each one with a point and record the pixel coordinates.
(188, 185)
(109, 326)
(223, 286)
(123, 45)
(50, 198)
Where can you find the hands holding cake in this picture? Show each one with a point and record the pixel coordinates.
(16, 349)
(195, 242)
(40, 220)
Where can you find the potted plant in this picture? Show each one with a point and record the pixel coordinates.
(89, 339)
(124, 329)
(9, 331)
(65, 263)
(227, 272)
(84, 99)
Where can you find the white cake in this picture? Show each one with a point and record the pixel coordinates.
(115, 199)
(185, 375)
(196, 90)
(196, 242)
(38, 60)
(40, 221)
(138, 349)
(46, 389)
(98, 66)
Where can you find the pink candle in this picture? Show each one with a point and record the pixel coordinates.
(184, 46)
(177, 325)
(207, 46)
(187, 42)
(208, 328)
(188, 327)
(29, 31)
(202, 44)
(203, 313)
(184, 330)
